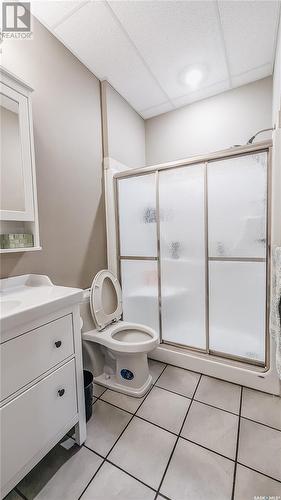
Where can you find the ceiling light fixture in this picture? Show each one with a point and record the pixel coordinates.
(193, 77)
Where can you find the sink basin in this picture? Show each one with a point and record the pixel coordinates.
(27, 298)
(7, 306)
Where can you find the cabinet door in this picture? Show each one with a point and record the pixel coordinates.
(182, 243)
(137, 216)
(35, 418)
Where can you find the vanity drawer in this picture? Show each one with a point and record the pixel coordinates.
(26, 357)
(32, 420)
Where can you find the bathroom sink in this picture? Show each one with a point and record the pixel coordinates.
(26, 298)
(7, 306)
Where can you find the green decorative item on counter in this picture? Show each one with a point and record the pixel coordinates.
(23, 240)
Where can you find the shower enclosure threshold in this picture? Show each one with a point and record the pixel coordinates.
(256, 377)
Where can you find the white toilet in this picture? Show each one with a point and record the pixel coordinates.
(124, 345)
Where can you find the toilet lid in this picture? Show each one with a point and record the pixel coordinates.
(105, 299)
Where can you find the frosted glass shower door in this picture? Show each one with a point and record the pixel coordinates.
(137, 216)
(237, 209)
(182, 249)
(237, 206)
(138, 249)
(237, 308)
(140, 292)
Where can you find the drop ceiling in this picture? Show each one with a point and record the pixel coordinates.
(143, 48)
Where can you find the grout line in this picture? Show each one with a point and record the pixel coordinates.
(17, 490)
(261, 423)
(208, 449)
(176, 442)
(237, 446)
(215, 378)
(216, 407)
(174, 392)
(259, 472)
(129, 474)
(121, 434)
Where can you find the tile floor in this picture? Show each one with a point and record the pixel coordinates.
(192, 437)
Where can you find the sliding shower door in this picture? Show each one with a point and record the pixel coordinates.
(193, 253)
(138, 249)
(237, 201)
(182, 250)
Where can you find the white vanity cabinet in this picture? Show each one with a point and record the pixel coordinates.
(42, 394)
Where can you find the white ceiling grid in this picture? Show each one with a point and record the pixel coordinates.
(143, 48)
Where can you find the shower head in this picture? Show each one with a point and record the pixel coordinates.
(251, 140)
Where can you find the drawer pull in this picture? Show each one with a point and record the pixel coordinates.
(58, 343)
(61, 392)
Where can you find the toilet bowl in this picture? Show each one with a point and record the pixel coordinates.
(124, 345)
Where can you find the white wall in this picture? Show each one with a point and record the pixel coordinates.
(212, 124)
(124, 148)
(124, 129)
(276, 105)
(276, 153)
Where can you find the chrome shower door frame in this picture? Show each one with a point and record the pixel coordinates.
(238, 151)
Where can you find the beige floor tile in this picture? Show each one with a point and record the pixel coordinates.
(219, 393)
(215, 429)
(111, 483)
(143, 451)
(164, 408)
(196, 473)
(128, 403)
(62, 474)
(250, 484)
(262, 407)
(105, 426)
(260, 448)
(155, 369)
(98, 390)
(178, 380)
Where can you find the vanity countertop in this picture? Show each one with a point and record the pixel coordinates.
(24, 298)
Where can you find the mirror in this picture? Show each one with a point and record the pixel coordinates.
(19, 228)
(12, 179)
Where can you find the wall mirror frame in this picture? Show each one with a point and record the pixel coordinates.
(18, 207)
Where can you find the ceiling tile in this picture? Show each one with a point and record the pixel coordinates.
(201, 94)
(94, 35)
(173, 35)
(249, 31)
(157, 110)
(52, 12)
(252, 75)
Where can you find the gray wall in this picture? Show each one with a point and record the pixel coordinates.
(210, 125)
(68, 150)
(124, 130)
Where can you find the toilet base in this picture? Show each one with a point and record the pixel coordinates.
(111, 382)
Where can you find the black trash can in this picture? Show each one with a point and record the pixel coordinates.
(88, 391)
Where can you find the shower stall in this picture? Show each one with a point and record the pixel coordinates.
(193, 255)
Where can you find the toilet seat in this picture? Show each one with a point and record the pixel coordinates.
(97, 299)
(111, 332)
(120, 361)
(106, 337)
